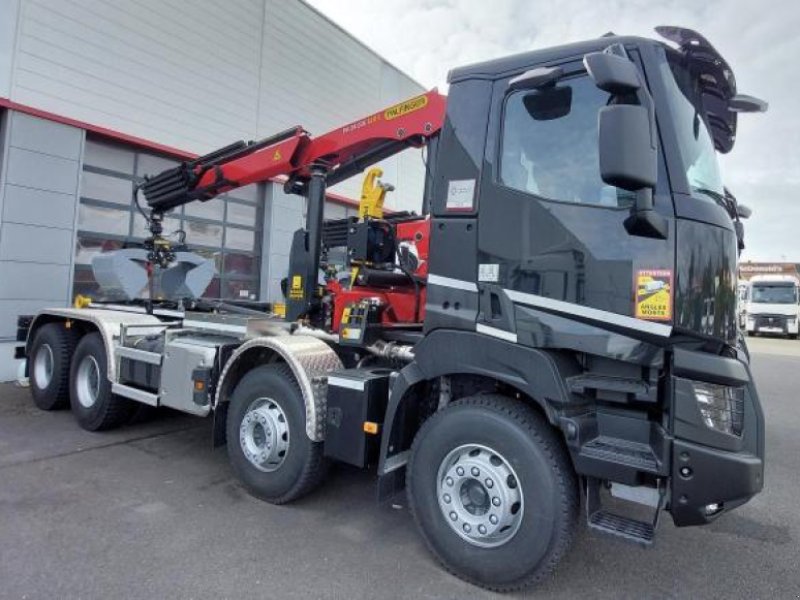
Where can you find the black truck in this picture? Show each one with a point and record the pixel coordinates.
(557, 328)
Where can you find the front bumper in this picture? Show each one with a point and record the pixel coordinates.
(712, 471)
(779, 324)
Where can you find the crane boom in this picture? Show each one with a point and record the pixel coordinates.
(342, 152)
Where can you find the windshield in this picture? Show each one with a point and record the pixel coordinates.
(696, 146)
(774, 294)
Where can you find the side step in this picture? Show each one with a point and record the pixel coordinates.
(624, 452)
(626, 528)
(619, 526)
(615, 389)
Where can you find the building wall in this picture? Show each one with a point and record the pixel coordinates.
(189, 80)
(199, 78)
(41, 165)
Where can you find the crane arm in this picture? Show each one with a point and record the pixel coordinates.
(343, 152)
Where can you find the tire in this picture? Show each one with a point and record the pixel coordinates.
(49, 367)
(93, 404)
(288, 465)
(492, 429)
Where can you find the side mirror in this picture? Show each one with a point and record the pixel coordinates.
(743, 211)
(627, 156)
(628, 160)
(627, 139)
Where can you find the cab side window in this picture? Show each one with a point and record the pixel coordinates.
(549, 144)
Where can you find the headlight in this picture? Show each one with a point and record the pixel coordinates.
(722, 407)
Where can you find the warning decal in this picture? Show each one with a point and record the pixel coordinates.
(654, 295)
(296, 291)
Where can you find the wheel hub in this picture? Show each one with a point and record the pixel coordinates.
(87, 381)
(479, 495)
(43, 366)
(264, 434)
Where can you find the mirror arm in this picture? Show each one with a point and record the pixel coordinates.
(644, 221)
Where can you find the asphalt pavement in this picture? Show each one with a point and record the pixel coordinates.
(151, 511)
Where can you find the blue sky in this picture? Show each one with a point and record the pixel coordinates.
(425, 38)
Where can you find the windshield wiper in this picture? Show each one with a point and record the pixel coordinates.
(719, 199)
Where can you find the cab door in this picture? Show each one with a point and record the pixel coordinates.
(552, 248)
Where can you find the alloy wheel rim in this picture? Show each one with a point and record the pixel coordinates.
(87, 381)
(264, 435)
(43, 366)
(479, 495)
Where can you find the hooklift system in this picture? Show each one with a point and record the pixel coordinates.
(559, 324)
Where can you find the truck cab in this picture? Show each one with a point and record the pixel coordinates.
(772, 305)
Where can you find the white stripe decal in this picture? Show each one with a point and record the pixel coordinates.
(495, 332)
(211, 326)
(590, 313)
(350, 384)
(458, 284)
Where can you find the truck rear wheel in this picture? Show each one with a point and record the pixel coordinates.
(49, 366)
(493, 492)
(267, 443)
(93, 404)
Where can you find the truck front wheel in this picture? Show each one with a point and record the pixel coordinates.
(49, 365)
(266, 431)
(493, 492)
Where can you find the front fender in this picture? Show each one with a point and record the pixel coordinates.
(539, 374)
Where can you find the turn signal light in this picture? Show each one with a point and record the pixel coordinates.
(199, 385)
(370, 427)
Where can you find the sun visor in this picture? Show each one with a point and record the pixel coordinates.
(718, 85)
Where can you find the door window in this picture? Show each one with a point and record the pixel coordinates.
(550, 144)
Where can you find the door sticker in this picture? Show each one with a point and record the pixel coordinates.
(460, 195)
(654, 295)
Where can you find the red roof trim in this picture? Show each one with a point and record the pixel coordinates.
(134, 140)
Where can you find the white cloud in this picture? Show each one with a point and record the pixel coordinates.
(426, 38)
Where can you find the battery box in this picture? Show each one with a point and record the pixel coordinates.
(357, 400)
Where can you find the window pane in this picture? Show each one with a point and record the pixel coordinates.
(103, 220)
(150, 164)
(108, 156)
(695, 144)
(242, 214)
(240, 290)
(88, 248)
(106, 187)
(204, 234)
(213, 209)
(550, 143)
(248, 192)
(240, 239)
(213, 255)
(240, 264)
(85, 284)
(212, 291)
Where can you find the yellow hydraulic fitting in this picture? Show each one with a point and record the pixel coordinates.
(82, 301)
(373, 193)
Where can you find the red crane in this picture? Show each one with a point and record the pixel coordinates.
(312, 164)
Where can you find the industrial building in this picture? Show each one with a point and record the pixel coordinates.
(96, 93)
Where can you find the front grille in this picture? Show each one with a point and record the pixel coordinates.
(771, 321)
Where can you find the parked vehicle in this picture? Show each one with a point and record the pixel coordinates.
(773, 305)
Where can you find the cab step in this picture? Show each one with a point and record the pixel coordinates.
(632, 454)
(614, 389)
(626, 528)
(620, 526)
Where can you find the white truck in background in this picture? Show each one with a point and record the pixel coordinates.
(773, 305)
